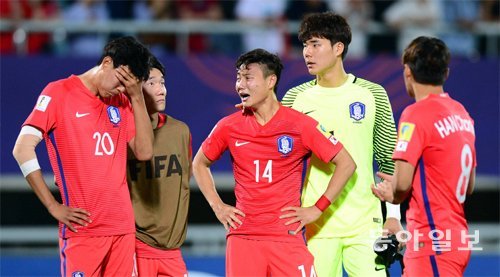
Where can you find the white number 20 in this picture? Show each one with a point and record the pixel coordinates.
(463, 179)
(104, 144)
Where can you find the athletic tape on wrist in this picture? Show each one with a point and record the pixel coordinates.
(323, 203)
(29, 166)
(393, 211)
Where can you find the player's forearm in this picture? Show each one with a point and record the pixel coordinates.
(205, 181)
(402, 180)
(42, 191)
(143, 142)
(344, 168)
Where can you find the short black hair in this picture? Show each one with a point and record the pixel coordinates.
(428, 59)
(155, 63)
(270, 63)
(326, 25)
(128, 51)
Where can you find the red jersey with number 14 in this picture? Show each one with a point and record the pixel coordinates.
(268, 162)
(87, 143)
(436, 135)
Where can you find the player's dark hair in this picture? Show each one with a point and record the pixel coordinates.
(270, 63)
(428, 60)
(128, 51)
(155, 63)
(326, 25)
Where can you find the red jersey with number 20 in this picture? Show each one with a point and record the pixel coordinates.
(86, 140)
(436, 135)
(268, 162)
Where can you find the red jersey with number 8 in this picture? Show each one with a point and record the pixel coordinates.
(436, 135)
(268, 164)
(86, 140)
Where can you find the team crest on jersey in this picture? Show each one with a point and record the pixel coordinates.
(357, 111)
(114, 115)
(77, 274)
(285, 145)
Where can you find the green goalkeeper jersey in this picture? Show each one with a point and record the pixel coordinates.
(359, 114)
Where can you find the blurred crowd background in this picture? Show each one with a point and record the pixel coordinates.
(82, 27)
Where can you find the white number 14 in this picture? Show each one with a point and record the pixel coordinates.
(268, 171)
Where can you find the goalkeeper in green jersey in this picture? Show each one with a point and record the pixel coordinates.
(359, 114)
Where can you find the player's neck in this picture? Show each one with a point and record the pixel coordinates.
(335, 77)
(423, 91)
(154, 117)
(88, 80)
(265, 112)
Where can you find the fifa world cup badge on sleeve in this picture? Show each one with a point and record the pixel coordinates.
(42, 103)
(404, 135)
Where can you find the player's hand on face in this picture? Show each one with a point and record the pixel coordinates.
(69, 216)
(227, 215)
(133, 86)
(303, 215)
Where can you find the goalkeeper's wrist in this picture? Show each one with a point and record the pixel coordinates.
(393, 211)
(323, 203)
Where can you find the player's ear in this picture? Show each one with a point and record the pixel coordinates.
(338, 48)
(407, 72)
(272, 79)
(107, 62)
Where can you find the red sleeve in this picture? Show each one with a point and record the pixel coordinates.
(216, 143)
(44, 114)
(319, 141)
(411, 139)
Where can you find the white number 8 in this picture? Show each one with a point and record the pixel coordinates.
(463, 179)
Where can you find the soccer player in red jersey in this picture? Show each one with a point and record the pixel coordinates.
(87, 122)
(435, 165)
(269, 145)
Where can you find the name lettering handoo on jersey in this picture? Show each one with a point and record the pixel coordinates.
(452, 124)
(114, 115)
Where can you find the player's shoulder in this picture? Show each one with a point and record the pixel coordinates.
(176, 123)
(296, 116)
(369, 85)
(303, 87)
(232, 119)
(292, 93)
(58, 87)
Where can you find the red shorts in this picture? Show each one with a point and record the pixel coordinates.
(445, 264)
(97, 256)
(156, 262)
(249, 257)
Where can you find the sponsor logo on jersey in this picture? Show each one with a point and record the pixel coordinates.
(357, 111)
(285, 145)
(114, 115)
(42, 102)
(77, 274)
(240, 143)
(78, 115)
